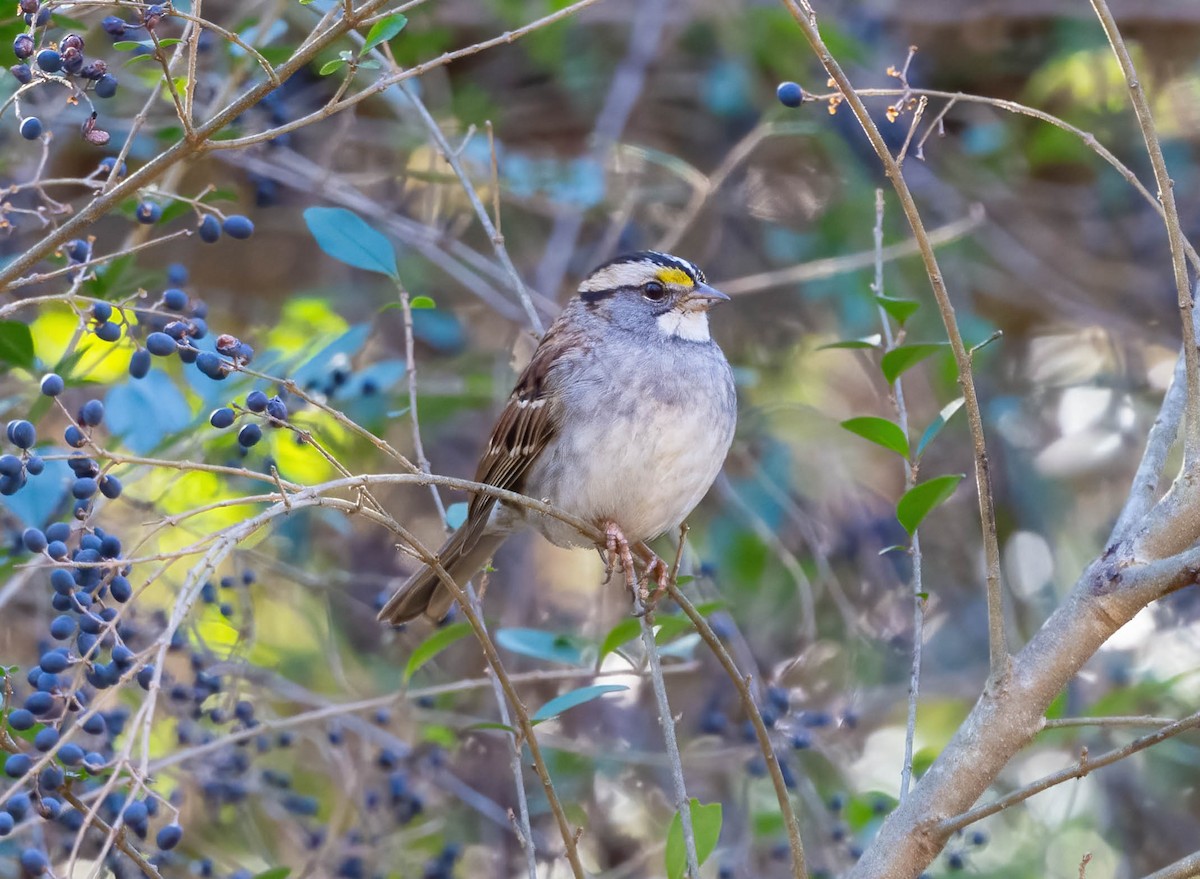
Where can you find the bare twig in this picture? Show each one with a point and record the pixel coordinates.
(1185, 868)
(997, 639)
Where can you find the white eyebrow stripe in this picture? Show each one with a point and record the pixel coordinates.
(626, 274)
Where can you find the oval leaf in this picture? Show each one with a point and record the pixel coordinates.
(420, 302)
(433, 645)
(920, 499)
(881, 432)
(572, 698)
(935, 427)
(865, 342)
(542, 645)
(621, 633)
(383, 30)
(16, 344)
(347, 237)
(706, 826)
(895, 362)
(900, 309)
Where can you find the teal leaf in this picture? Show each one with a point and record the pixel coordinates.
(433, 645)
(919, 500)
(935, 426)
(456, 514)
(879, 431)
(542, 645)
(383, 30)
(347, 237)
(572, 698)
(706, 826)
(144, 412)
(900, 309)
(897, 361)
(873, 341)
(16, 344)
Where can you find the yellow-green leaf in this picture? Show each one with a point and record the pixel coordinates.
(433, 645)
(879, 431)
(706, 826)
(917, 502)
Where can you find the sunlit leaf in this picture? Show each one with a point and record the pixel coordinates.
(433, 645)
(935, 426)
(900, 309)
(383, 30)
(706, 827)
(895, 362)
(542, 645)
(873, 341)
(422, 302)
(571, 699)
(16, 344)
(917, 502)
(347, 237)
(879, 431)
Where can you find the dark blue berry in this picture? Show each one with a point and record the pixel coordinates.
(221, 418)
(210, 229)
(54, 661)
(139, 363)
(17, 765)
(256, 401)
(34, 539)
(175, 299)
(108, 332)
(93, 762)
(101, 311)
(49, 60)
(46, 738)
(31, 128)
(113, 26)
(147, 212)
(84, 488)
(21, 73)
(35, 465)
(212, 365)
(21, 719)
(108, 163)
(94, 725)
(160, 344)
(39, 703)
(790, 94)
(11, 465)
(110, 487)
(22, 434)
(52, 384)
(106, 87)
(74, 437)
(145, 676)
(70, 754)
(77, 250)
(34, 862)
(7, 823)
(62, 627)
(277, 409)
(237, 226)
(120, 589)
(249, 435)
(168, 836)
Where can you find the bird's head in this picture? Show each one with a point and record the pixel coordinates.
(651, 289)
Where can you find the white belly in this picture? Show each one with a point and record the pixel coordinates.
(644, 471)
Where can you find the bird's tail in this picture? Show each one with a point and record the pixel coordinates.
(424, 592)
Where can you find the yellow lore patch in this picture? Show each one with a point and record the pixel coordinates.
(675, 276)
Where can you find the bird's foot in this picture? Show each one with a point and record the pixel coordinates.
(657, 573)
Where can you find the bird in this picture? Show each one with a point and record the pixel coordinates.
(622, 418)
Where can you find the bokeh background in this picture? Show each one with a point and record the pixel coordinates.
(606, 128)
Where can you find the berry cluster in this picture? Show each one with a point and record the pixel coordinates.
(274, 409)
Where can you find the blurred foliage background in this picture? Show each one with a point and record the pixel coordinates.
(606, 126)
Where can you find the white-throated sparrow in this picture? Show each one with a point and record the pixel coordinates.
(623, 417)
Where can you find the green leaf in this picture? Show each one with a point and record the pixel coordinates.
(130, 45)
(16, 344)
(879, 431)
(670, 625)
(542, 645)
(900, 309)
(920, 499)
(706, 825)
(898, 360)
(347, 237)
(622, 632)
(274, 873)
(383, 30)
(935, 426)
(865, 342)
(487, 725)
(330, 66)
(572, 698)
(422, 302)
(433, 645)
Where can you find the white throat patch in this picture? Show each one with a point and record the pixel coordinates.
(690, 325)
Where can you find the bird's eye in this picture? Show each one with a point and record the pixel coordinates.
(654, 291)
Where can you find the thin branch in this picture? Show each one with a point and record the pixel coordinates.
(1185, 868)
(1106, 722)
(742, 685)
(997, 639)
(1166, 195)
(1085, 765)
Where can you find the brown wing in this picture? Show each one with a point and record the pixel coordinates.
(530, 419)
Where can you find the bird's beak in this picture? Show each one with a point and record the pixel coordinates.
(703, 297)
